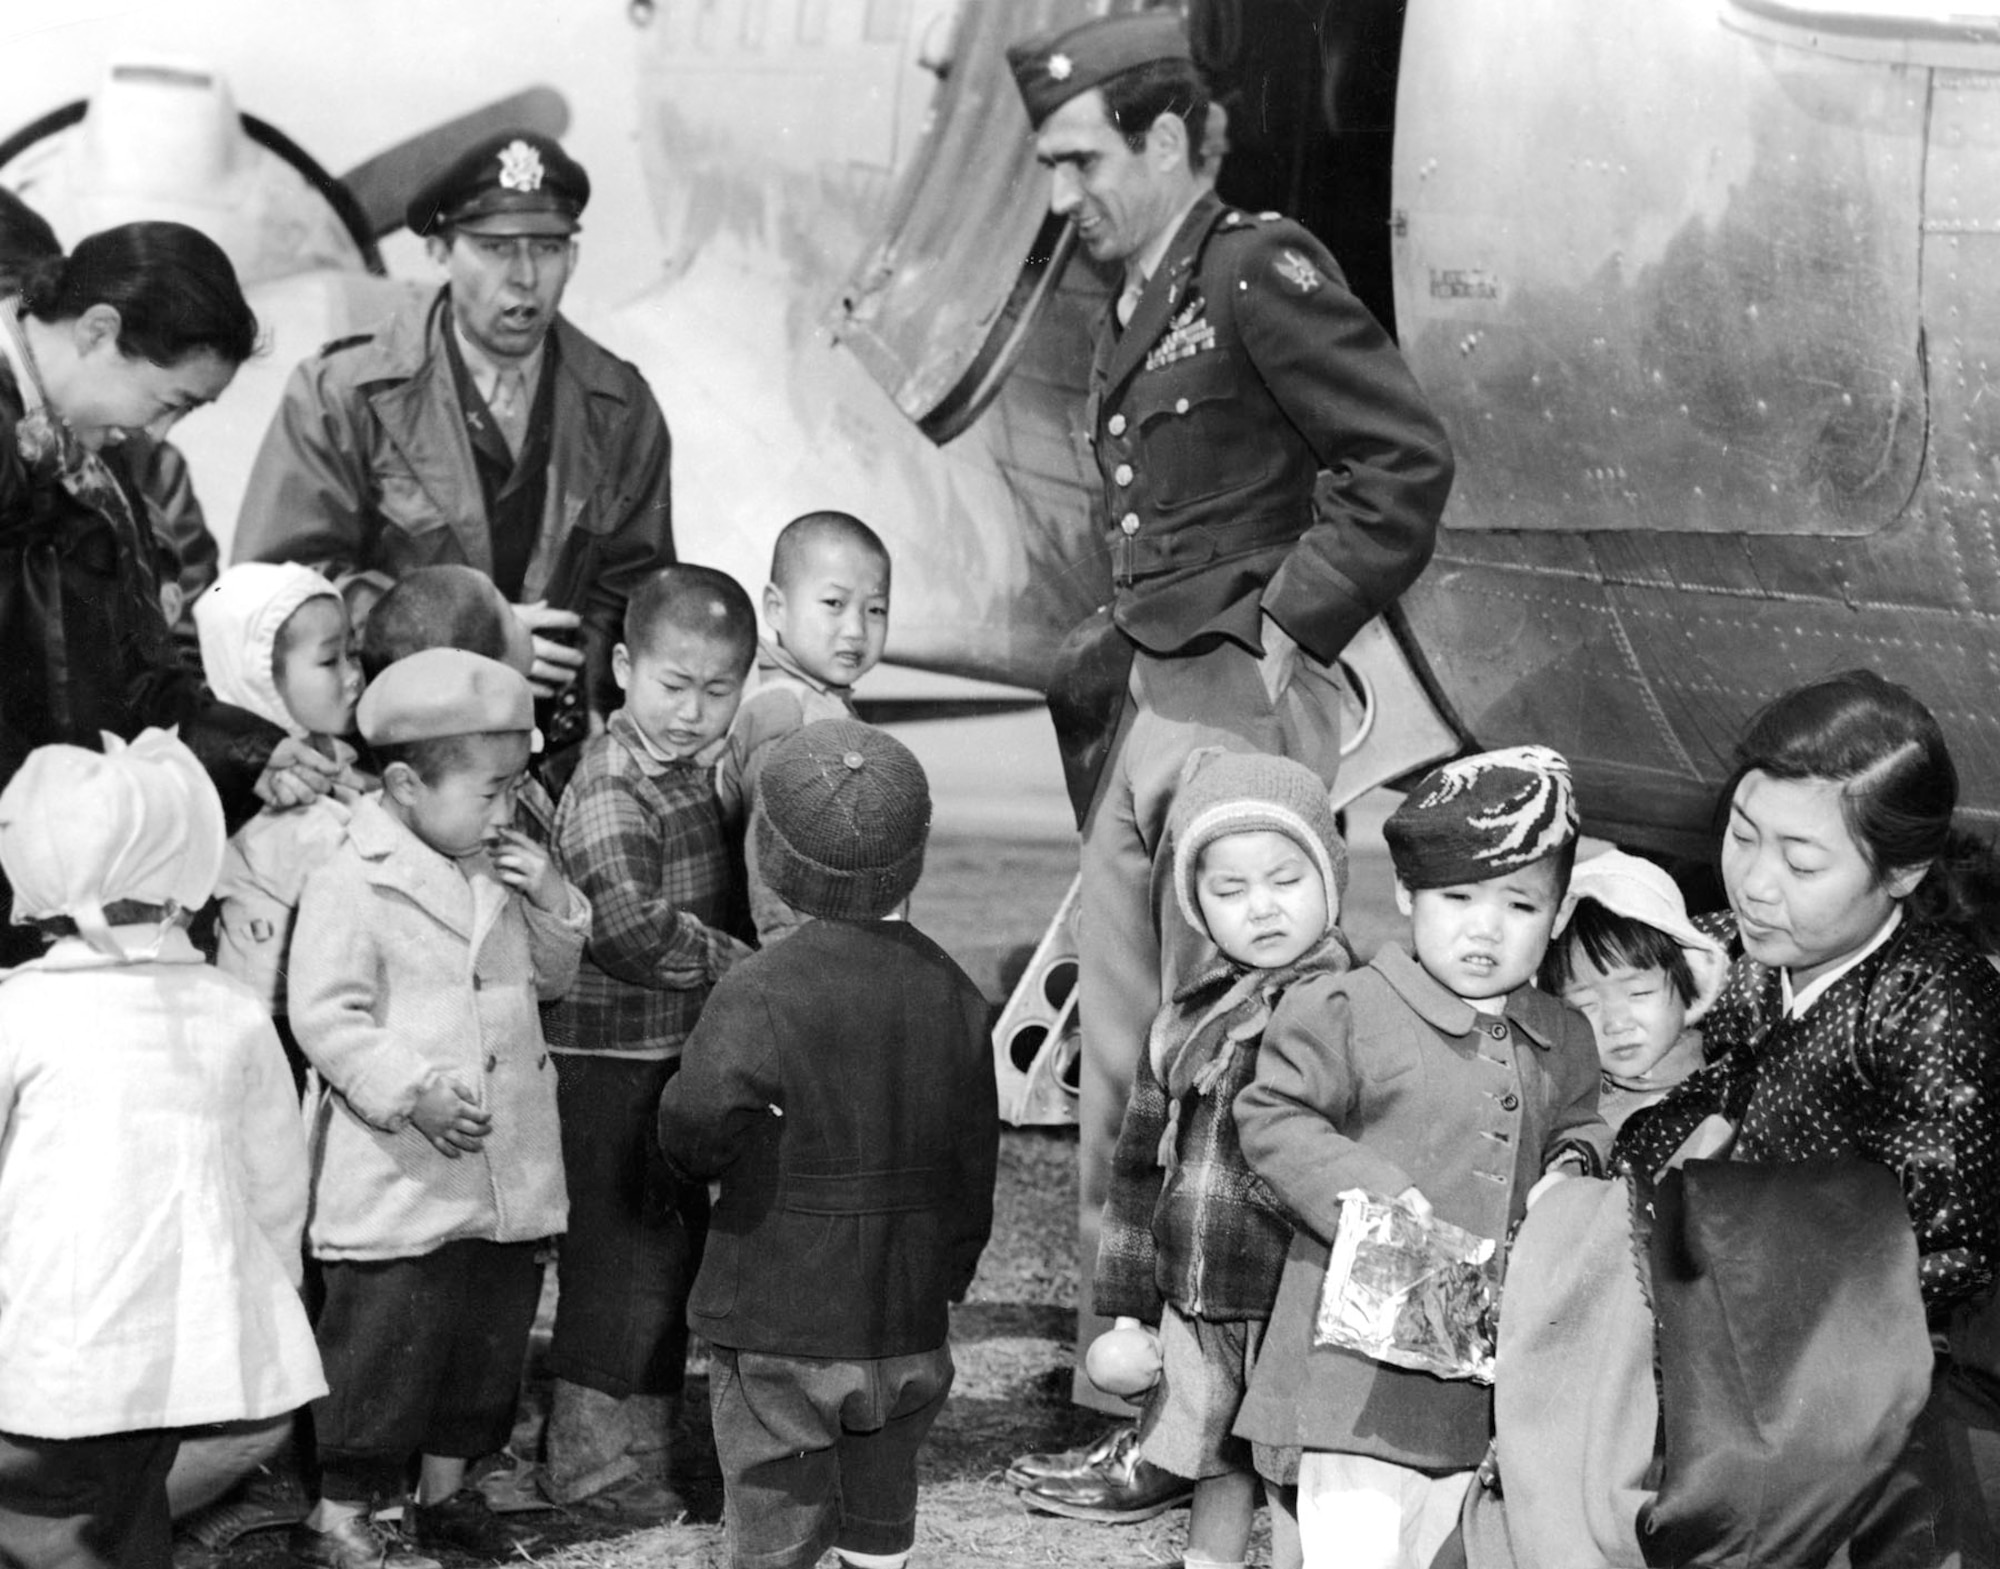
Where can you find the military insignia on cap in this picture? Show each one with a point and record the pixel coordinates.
(1298, 270)
(1060, 65)
(520, 167)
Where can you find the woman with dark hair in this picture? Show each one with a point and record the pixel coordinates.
(139, 325)
(1861, 1018)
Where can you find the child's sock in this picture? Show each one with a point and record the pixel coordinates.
(854, 1560)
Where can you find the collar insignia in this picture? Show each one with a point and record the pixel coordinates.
(1060, 66)
(520, 167)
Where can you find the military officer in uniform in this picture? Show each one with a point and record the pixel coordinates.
(1272, 478)
(480, 427)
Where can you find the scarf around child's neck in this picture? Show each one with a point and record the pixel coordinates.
(1195, 1057)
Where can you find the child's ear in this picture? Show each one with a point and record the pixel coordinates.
(621, 666)
(1404, 903)
(774, 604)
(400, 783)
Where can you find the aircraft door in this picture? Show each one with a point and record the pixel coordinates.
(940, 307)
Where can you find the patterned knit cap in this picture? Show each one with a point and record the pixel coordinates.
(1249, 792)
(1481, 816)
(843, 810)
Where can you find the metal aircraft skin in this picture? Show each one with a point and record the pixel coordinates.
(1700, 287)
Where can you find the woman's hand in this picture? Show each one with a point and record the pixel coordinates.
(295, 775)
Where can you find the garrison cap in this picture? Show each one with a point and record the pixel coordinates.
(444, 692)
(514, 182)
(1052, 68)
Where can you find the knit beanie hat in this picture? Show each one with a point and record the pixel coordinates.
(1481, 816)
(843, 810)
(1640, 891)
(1248, 792)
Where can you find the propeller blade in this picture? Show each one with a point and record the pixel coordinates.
(382, 184)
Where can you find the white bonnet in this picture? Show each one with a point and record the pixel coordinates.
(238, 620)
(1640, 891)
(80, 830)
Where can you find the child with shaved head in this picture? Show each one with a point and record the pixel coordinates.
(827, 607)
(640, 832)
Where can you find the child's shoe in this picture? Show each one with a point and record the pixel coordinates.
(354, 1542)
(465, 1524)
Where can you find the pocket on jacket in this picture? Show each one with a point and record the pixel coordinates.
(408, 507)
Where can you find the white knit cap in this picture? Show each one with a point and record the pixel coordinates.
(1640, 891)
(82, 829)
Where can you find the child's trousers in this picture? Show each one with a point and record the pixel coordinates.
(820, 1453)
(423, 1356)
(1356, 1512)
(87, 1503)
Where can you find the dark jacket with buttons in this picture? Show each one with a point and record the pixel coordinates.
(1383, 1080)
(841, 1086)
(1262, 445)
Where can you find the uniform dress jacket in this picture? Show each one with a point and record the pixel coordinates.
(1382, 1080)
(403, 965)
(368, 468)
(1262, 448)
(1896, 1062)
(841, 1086)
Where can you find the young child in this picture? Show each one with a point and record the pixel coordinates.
(640, 833)
(1191, 1240)
(152, 1164)
(420, 949)
(827, 606)
(454, 606)
(841, 1087)
(1629, 959)
(1448, 1081)
(275, 641)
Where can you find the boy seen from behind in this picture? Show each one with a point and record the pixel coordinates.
(1444, 1080)
(840, 1086)
(827, 606)
(420, 951)
(640, 832)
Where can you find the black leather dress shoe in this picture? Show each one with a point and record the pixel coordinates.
(1118, 1489)
(1033, 1470)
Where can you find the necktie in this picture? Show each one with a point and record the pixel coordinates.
(509, 406)
(1128, 302)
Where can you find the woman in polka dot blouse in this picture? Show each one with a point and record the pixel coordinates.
(1861, 1017)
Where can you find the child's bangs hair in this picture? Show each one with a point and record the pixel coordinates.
(1611, 941)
